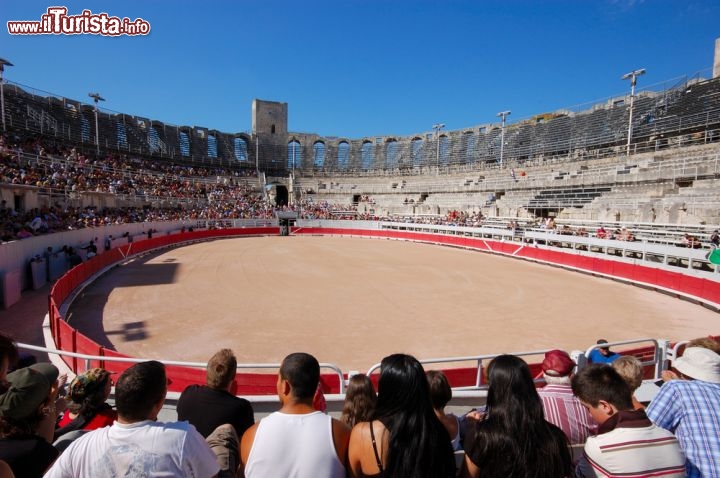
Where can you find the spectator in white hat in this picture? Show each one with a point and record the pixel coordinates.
(689, 408)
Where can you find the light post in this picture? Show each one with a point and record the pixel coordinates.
(3, 64)
(96, 98)
(503, 115)
(293, 158)
(437, 127)
(632, 76)
(257, 154)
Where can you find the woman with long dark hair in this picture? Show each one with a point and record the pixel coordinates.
(405, 439)
(515, 439)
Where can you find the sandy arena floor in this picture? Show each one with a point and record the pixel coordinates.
(352, 301)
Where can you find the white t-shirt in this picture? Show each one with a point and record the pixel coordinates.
(294, 446)
(145, 448)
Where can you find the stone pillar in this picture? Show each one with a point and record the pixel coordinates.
(716, 63)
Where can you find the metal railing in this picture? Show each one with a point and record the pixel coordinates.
(88, 359)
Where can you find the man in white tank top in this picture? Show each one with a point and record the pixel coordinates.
(297, 441)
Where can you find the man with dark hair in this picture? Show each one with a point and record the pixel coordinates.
(297, 440)
(219, 415)
(628, 443)
(603, 354)
(136, 444)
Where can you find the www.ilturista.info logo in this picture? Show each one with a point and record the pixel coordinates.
(57, 22)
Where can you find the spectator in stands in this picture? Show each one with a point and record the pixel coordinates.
(705, 342)
(8, 359)
(625, 235)
(631, 370)
(405, 439)
(602, 354)
(688, 407)
(218, 414)
(136, 444)
(73, 258)
(560, 406)
(690, 241)
(88, 408)
(319, 402)
(515, 439)
(440, 396)
(360, 400)
(91, 249)
(601, 233)
(27, 419)
(297, 440)
(715, 238)
(614, 451)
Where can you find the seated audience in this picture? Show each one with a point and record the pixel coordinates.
(88, 408)
(560, 406)
(515, 439)
(614, 452)
(297, 440)
(688, 407)
(27, 420)
(631, 370)
(136, 444)
(360, 400)
(211, 408)
(440, 396)
(602, 354)
(405, 439)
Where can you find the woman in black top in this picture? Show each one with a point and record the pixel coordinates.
(405, 439)
(515, 439)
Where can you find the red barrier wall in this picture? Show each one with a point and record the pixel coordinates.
(68, 339)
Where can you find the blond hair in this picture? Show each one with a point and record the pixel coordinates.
(630, 369)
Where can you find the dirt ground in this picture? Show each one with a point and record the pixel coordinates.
(352, 301)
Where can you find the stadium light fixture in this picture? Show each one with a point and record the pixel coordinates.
(503, 115)
(96, 98)
(3, 64)
(632, 76)
(437, 127)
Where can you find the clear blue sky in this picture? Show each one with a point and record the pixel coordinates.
(360, 68)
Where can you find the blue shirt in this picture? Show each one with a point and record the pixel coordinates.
(597, 357)
(690, 409)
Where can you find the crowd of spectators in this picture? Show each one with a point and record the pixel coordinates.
(400, 431)
(172, 192)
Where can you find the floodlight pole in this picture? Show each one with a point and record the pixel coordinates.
(293, 158)
(437, 127)
(632, 76)
(96, 98)
(3, 64)
(503, 115)
(257, 154)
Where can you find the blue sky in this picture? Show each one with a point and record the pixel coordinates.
(357, 68)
